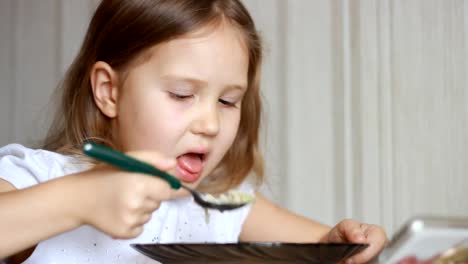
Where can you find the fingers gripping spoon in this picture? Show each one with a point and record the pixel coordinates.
(232, 200)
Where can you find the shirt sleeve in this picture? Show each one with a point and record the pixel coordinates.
(24, 167)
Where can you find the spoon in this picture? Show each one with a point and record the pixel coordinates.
(125, 162)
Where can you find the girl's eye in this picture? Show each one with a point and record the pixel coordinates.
(227, 103)
(180, 97)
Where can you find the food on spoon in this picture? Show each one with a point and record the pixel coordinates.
(207, 216)
(231, 197)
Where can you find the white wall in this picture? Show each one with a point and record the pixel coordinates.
(367, 101)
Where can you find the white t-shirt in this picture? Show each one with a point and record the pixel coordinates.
(175, 221)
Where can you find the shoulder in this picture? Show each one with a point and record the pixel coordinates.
(23, 166)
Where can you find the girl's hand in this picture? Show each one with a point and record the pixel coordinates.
(117, 202)
(350, 231)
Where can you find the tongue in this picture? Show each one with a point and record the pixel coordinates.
(190, 162)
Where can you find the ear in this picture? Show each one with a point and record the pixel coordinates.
(104, 82)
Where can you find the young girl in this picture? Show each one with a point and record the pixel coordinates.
(174, 83)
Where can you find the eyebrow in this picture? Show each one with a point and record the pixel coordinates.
(200, 83)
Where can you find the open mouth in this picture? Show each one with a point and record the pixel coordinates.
(190, 166)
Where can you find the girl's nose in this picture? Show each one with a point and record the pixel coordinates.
(206, 121)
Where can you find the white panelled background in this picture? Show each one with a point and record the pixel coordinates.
(366, 101)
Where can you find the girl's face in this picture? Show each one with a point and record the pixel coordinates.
(184, 101)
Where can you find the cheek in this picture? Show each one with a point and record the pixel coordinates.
(234, 129)
(149, 125)
(162, 125)
(224, 141)
(231, 127)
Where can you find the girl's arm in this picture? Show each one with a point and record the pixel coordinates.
(268, 222)
(33, 214)
(117, 203)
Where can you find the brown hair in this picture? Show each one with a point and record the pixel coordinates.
(119, 33)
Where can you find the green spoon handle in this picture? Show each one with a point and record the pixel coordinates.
(126, 162)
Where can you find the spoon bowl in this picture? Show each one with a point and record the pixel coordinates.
(199, 199)
(125, 162)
